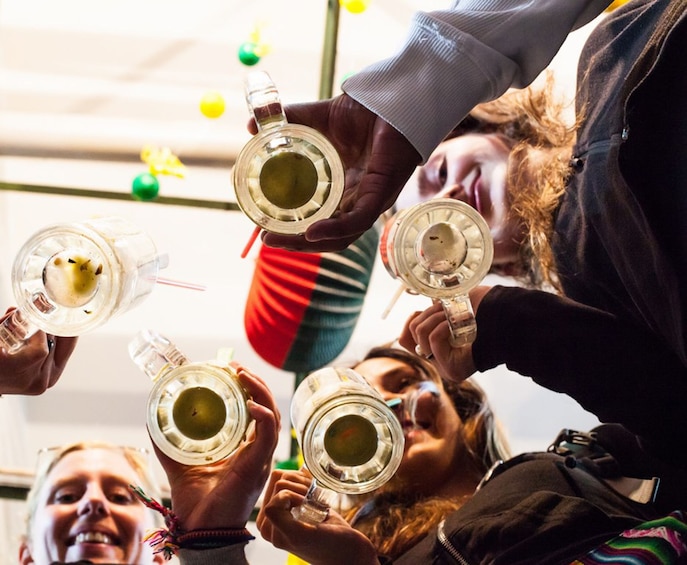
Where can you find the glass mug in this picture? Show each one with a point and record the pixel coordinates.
(196, 412)
(71, 278)
(287, 176)
(351, 441)
(441, 248)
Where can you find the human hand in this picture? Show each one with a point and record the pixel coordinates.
(223, 495)
(36, 365)
(430, 331)
(331, 542)
(377, 158)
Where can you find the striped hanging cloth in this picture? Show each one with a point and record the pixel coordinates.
(302, 308)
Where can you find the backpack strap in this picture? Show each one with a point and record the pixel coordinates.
(585, 448)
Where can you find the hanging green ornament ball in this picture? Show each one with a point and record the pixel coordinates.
(145, 187)
(248, 54)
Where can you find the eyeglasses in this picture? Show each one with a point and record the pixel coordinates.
(138, 457)
(47, 457)
(405, 406)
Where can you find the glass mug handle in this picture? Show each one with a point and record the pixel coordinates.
(315, 506)
(461, 320)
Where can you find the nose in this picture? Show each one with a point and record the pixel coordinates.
(93, 502)
(455, 192)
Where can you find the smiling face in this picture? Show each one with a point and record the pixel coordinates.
(472, 168)
(434, 447)
(84, 510)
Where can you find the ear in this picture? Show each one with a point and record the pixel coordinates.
(25, 553)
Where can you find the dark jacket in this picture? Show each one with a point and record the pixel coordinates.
(617, 342)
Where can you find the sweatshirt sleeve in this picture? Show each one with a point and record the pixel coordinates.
(234, 554)
(615, 369)
(455, 59)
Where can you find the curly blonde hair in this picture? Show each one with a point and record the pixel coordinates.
(531, 121)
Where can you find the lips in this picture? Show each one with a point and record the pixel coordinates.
(473, 196)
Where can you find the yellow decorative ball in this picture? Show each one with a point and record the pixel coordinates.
(212, 105)
(355, 6)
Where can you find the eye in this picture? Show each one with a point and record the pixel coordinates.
(120, 496)
(443, 172)
(66, 496)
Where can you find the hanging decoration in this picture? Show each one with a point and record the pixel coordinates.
(255, 48)
(212, 104)
(355, 6)
(160, 161)
(302, 308)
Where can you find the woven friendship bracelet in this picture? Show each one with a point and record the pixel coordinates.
(168, 541)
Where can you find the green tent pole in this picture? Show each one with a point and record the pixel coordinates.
(331, 33)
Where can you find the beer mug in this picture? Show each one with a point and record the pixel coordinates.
(441, 248)
(71, 278)
(196, 412)
(351, 441)
(287, 176)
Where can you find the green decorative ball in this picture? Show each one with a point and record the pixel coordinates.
(145, 187)
(248, 54)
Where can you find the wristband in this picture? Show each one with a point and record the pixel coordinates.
(211, 539)
(169, 540)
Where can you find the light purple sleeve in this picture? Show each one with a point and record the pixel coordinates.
(454, 59)
(234, 554)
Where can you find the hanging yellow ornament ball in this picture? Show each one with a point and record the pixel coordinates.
(212, 105)
(355, 6)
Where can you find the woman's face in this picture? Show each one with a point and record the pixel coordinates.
(433, 448)
(86, 511)
(472, 168)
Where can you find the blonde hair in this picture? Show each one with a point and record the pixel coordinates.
(138, 459)
(395, 521)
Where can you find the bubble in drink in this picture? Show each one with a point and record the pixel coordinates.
(351, 440)
(442, 248)
(71, 279)
(199, 413)
(288, 180)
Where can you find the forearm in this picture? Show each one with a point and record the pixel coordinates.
(460, 57)
(619, 371)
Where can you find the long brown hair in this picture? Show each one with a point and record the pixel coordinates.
(395, 521)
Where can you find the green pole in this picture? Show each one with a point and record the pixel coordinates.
(331, 33)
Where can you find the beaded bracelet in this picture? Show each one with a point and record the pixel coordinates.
(169, 540)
